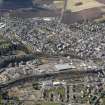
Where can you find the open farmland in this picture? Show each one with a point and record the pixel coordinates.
(79, 5)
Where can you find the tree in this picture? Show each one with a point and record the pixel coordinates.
(1, 100)
(36, 86)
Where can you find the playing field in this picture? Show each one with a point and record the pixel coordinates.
(78, 5)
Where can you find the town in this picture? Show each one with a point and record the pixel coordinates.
(44, 61)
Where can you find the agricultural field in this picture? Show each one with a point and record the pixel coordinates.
(78, 5)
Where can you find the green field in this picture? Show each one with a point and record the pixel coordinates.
(59, 90)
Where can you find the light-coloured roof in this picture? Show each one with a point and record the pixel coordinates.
(2, 25)
(64, 66)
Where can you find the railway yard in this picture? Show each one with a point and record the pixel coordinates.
(44, 62)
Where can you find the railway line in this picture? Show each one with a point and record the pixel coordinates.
(46, 76)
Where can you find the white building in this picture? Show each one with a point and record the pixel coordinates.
(64, 66)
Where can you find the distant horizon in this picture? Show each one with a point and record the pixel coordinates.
(14, 4)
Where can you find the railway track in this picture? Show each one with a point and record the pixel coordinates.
(20, 81)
